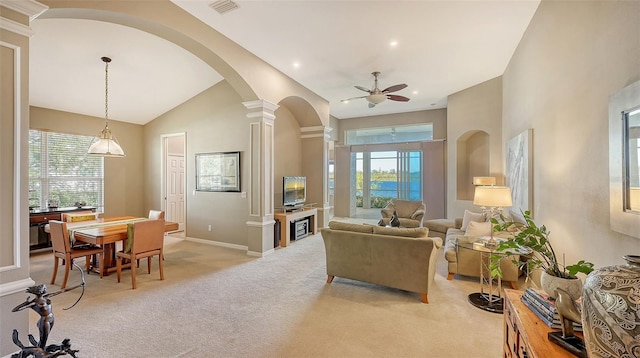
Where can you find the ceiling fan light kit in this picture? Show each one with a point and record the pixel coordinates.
(377, 96)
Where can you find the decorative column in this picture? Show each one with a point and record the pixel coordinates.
(15, 18)
(260, 193)
(315, 166)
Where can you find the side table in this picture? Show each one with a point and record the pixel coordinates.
(490, 296)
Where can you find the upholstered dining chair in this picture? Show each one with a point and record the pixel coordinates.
(147, 240)
(62, 249)
(156, 214)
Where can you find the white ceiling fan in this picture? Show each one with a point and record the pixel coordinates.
(377, 96)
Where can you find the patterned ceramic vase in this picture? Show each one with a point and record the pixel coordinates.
(611, 310)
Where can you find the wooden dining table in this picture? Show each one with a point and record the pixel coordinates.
(106, 236)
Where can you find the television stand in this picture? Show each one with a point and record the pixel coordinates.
(293, 208)
(287, 217)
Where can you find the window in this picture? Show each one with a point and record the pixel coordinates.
(60, 169)
(385, 175)
(397, 134)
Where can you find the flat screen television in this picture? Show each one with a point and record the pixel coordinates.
(294, 190)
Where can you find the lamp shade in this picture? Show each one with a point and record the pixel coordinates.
(493, 196)
(484, 181)
(106, 145)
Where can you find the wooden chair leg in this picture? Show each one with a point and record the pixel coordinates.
(423, 298)
(101, 264)
(329, 279)
(88, 263)
(149, 265)
(67, 268)
(133, 275)
(161, 266)
(118, 267)
(55, 270)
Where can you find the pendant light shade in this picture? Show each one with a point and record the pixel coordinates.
(105, 144)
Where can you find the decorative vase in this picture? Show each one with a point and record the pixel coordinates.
(549, 284)
(611, 310)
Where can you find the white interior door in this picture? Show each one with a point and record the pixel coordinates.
(175, 190)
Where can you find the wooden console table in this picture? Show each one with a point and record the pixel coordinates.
(525, 334)
(286, 218)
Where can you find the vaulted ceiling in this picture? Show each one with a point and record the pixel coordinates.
(436, 47)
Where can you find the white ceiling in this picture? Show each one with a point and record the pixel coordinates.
(442, 47)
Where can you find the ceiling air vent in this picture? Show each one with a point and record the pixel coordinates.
(224, 6)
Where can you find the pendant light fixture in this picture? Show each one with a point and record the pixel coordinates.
(105, 144)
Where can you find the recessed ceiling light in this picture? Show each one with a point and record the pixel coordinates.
(296, 64)
(415, 92)
(393, 43)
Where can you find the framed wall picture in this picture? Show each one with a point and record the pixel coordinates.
(218, 171)
(519, 171)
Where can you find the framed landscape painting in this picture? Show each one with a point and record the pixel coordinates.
(519, 171)
(218, 171)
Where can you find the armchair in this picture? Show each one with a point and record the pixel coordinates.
(410, 213)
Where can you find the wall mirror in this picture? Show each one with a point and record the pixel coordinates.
(218, 171)
(624, 160)
(631, 160)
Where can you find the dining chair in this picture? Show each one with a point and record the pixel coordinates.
(156, 214)
(62, 249)
(147, 240)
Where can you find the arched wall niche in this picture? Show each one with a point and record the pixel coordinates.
(473, 154)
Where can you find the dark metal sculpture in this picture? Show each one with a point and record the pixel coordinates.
(41, 304)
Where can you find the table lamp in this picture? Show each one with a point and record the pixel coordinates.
(484, 181)
(492, 199)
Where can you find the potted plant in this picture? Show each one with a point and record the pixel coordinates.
(530, 236)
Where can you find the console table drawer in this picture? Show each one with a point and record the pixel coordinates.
(44, 218)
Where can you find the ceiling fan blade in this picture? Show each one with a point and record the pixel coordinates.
(349, 99)
(394, 88)
(395, 97)
(363, 88)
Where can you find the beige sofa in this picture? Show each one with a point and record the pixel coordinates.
(403, 258)
(466, 262)
(410, 213)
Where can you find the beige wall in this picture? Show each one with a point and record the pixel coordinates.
(213, 121)
(475, 109)
(123, 181)
(572, 58)
(14, 122)
(287, 158)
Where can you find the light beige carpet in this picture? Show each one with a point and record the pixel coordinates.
(219, 302)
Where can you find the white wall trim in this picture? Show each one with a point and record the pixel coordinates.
(30, 8)
(16, 286)
(17, 144)
(218, 243)
(260, 254)
(16, 27)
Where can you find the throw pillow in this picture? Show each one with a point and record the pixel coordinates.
(470, 216)
(477, 229)
(394, 222)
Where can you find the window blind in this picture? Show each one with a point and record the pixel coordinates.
(59, 168)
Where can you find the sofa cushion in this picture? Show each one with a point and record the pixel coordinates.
(338, 225)
(470, 216)
(477, 229)
(401, 231)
